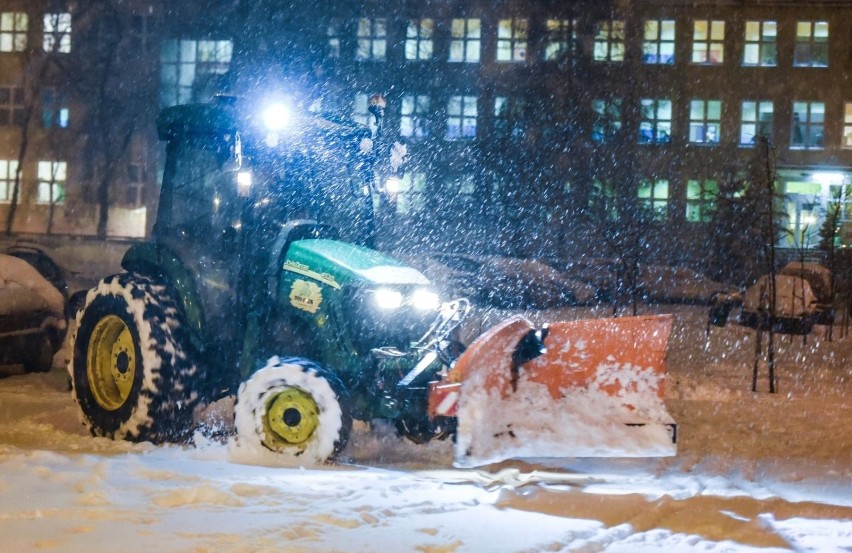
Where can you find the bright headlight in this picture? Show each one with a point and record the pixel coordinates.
(426, 300)
(386, 298)
(392, 185)
(276, 117)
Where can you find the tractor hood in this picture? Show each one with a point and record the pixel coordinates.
(337, 263)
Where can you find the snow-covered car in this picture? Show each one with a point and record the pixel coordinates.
(599, 273)
(819, 279)
(32, 316)
(665, 284)
(795, 305)
(507, 282)
(43, 263)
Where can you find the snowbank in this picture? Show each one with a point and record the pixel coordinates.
(754, 472)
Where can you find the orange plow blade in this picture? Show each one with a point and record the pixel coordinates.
(589, 388)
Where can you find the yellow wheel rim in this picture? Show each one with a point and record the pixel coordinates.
(291, 418)
(111, 363)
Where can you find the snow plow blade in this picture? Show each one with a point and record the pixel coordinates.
(589, 388)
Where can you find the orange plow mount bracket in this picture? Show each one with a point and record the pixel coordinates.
(595, 389)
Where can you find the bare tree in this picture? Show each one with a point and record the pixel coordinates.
(36, 64)
(762, 196)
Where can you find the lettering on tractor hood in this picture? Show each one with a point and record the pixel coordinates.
(304, 270)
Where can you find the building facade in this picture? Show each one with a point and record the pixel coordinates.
(519, 115)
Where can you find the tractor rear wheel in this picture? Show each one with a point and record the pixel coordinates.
(293, 407)
(131, 373)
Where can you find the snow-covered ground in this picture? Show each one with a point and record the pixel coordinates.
(754, 472)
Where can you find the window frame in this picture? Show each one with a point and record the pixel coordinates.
(704, 203)
(53, 182)
(512, 47)
(704, 47)
(846, 142)
(560, 38)
(57, 30)
(657, 204)
(604, 130)
(805, 46)
(372, 39)
(463, 116)
(510, 121)
(8, 169)
(55, 113)
(761, 45)
(14, 27)
(468, 43)
(701, 123)
(757, 122)
(609, 42)
(422, 39)
(416, 118)
(657, 41)
(199, 66)
(655, 122)
(810, 129)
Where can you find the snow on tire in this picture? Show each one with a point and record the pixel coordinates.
(294, 408)
(131, 375)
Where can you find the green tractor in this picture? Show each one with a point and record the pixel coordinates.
(248, 291)
(258, 284)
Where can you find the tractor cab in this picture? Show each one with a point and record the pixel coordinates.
(234, 183)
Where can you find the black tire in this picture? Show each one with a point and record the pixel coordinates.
(40, 354)
(312, 426)
(131, 373)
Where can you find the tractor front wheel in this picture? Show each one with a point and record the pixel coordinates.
(131, 375)
(293, 407)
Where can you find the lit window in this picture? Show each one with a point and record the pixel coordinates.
(461, 117)
(414, 114)
(332, 33)
(12, 110)
(654, 196)
(190, 70)
(609, 41)
(13, 31)
(466, 185)
(361, 109)
(602, 200)
(54, 109)
(51, 182)
(465, 40)
(372, 39)
(418, 39)
(607, 119)
(708, 42)
(701, 200)
(659, 46)
(760, 47)
(412, 190)
(808, 125)
(847, 125)
(57, 33)
(512, 39)
(509, 116)
(705, 121)
(756, 121)
(135, 185)
(811, 44)
(656, 124)
(8, 168)
(561, 38)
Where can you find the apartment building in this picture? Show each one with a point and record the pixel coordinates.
(517, 114)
